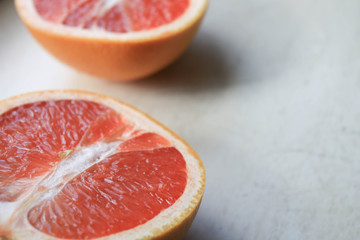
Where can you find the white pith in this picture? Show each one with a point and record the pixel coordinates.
(110, 3)
(73, 165)
(30, 16)
(21, 229)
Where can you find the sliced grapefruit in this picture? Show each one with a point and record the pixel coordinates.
(114, 39)
(77, 165)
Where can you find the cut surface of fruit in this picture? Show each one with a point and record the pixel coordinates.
(78, 165)
(113, 16)
(114, 39)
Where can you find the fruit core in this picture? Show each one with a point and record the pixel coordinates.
(87, 170)
(112, 15)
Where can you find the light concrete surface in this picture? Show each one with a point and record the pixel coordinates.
(267, 94)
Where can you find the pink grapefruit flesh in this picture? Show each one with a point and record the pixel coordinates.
(113, 16)
(141, 177)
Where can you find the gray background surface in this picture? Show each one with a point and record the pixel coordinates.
(267, 94)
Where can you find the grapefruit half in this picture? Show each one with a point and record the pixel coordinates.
(78, 165)
(114, 39)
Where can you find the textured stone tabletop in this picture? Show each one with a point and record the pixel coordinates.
(268, 94)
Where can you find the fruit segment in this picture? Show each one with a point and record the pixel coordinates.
(33, 138)
(116, 194)
(145, 141)
(112, 15)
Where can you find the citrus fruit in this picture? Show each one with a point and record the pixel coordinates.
(77, 165)
(114, 39)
